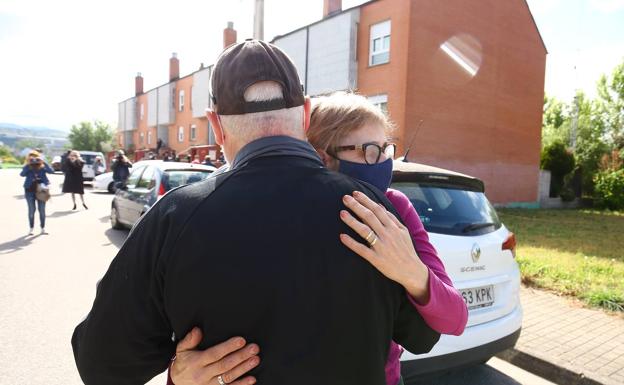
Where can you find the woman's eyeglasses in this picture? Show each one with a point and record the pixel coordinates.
(372, 151)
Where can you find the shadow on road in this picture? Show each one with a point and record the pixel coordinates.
(479, 374)
(116, 237)
(105, 219)
(58, 214)
(16, 244)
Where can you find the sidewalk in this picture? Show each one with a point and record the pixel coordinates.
(568, 344)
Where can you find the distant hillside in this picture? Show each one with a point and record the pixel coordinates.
(10, 129)
(53, 140)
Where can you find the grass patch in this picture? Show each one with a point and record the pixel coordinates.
(9, 165)
(572, 252)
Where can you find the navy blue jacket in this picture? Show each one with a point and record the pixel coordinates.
(30, 174)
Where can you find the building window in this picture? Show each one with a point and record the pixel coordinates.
(142, 111)
(189, 98)
(181, 101)
(380, 101)
(379, 43)
(180, 134)
(141, 137)
(193, 132)
(149, 138)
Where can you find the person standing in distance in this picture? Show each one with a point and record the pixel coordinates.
(321, 313)
(74, 182)
(35, 171)
(121, 169)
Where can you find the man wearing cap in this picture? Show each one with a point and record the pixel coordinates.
(274, 271)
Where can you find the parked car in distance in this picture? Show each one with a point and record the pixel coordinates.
(56, 163)
(104, 182)
(478, 252)
(88, 173)
(148, 181)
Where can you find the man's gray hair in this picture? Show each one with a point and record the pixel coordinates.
(248, 127)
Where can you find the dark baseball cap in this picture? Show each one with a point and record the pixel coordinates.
(244, 64)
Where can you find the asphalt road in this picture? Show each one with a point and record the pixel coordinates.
(47, 285)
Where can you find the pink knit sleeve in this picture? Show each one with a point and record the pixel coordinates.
(446, 310)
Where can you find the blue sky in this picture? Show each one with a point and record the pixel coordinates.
(60, 67)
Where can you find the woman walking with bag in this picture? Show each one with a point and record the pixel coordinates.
(36, 180)
(73, 177)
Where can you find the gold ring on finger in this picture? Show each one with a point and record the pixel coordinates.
(373, 242)
(220, 380)
(369, 236)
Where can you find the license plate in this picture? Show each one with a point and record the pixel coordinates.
(478, 297)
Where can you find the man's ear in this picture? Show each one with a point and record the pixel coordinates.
(307, 109)
(213, 118)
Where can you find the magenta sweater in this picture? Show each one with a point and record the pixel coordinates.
(446, 311)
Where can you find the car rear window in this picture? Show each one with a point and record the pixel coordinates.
(452, 211)
(176, 178)
(88, 159)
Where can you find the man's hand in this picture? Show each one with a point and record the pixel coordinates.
(230, 360)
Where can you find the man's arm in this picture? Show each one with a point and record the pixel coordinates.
(126, 339)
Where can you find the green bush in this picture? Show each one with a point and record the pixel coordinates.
(610, 189)
(556, 158)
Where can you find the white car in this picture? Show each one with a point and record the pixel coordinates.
(104, 182)
(478, 252)
(88, 172)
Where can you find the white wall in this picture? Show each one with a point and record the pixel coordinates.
(121, 117)
(152, 108)
(165, 107)
(331, 54)
(295, 46)
(131, 114)
(200, 97)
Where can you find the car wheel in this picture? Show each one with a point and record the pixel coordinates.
(111, 187)
(114, 218)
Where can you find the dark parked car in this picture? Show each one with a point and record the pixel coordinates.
(149, 181)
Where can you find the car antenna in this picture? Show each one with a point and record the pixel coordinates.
(412, 142)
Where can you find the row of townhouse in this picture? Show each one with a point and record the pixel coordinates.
(462, 81)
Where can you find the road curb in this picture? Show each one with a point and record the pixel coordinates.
(551, 369)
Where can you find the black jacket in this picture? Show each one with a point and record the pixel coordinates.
(274, 272)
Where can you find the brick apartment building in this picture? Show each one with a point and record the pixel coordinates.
(174, 113)
(462, 81)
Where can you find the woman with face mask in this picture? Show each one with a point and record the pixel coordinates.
(34, 172)
(351, 136)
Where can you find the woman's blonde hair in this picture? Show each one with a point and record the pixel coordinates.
(336, 115)
(36, 154)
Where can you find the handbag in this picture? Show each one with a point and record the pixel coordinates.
(43, 192)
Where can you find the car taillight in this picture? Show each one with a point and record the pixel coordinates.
(161, 190)
(510, 244)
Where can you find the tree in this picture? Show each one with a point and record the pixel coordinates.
(560, 161)
(611, 105)
(86, 137)
(555, 121)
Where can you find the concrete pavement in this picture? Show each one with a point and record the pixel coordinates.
(47, 282)
(563, 342)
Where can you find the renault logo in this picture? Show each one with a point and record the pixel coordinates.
(475, 253)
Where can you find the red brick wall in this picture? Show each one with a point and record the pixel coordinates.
(489, 125)
(185, 119)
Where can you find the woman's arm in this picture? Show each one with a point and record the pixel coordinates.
(394, 255)
(47, 168)
(24, 171)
